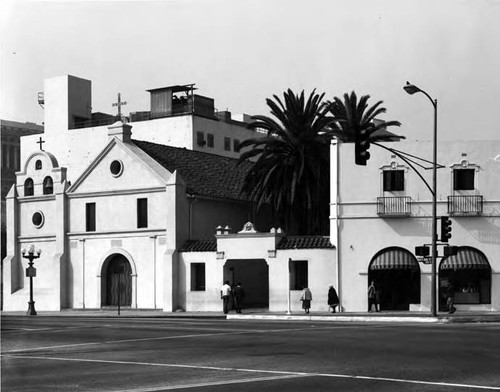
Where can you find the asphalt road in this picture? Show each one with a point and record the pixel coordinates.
(139, 355)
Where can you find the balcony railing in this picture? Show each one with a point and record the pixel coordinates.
(465, 205)
(399, 206)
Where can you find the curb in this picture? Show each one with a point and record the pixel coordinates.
(341, 319)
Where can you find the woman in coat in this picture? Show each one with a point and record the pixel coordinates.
(306, 299)
(333, 299)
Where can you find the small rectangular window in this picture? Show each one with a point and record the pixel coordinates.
(90, 217)
(236, 145)
(197, 276)
(298, 274)
(210, 140)
(200, 139)
(142, 213)
(227, 144)
(463, 179)
(394, 180)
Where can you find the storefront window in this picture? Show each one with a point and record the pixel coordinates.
(469, 276)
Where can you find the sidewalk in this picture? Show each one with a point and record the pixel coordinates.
(264, 314)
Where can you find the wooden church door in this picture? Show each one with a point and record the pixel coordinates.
(119, 282)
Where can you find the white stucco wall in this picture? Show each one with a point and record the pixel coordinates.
(254, 248)
(363, 233)
(145, 254)
(220, 130)
(171, 131)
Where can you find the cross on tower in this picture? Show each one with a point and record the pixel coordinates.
(40, 142)
(119, 104)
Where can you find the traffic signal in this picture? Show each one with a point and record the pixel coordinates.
(450, 251)
(361, 146)
(445, 229)
(422, 251)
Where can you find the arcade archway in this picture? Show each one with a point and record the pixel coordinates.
(396, 274)
(467, 275)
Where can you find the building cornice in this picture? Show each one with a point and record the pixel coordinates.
(37, 238)
(116, 192)
(115, 234)
(30, 199)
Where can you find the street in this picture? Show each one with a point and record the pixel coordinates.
(159, 354)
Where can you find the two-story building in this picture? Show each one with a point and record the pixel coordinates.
(382, 211)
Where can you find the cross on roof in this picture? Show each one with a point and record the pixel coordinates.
(119, 104)
(40, 142)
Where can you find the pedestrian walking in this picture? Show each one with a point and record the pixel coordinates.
(238, 294)
(372, 296)
(333, 299)
(225, 292)
(306, 299)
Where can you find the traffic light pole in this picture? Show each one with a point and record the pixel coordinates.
(434, 212)
(412, 89)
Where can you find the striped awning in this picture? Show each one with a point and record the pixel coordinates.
(393, 259)
(466, 258)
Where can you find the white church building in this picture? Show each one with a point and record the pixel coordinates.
(147, 212)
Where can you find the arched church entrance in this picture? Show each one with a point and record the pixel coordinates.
(396, 274)
(254, 278)
(116, 281)
(465, 276)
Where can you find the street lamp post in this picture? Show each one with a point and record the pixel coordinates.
(31, 273)
(412, 89)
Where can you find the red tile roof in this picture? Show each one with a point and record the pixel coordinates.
(286, 243)
(199, 246)
(205, 174)
(304, 242)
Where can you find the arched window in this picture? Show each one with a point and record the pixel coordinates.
(38, 165)
(28, 187)
(396, 276)
(48, 186)
(467, 276)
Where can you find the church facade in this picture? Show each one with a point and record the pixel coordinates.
(122, 219)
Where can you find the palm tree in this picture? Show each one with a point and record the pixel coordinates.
(291, 173)
(352, 116)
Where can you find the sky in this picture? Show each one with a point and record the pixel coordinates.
(241, 52)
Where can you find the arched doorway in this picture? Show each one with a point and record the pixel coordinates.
(467, 275)
(254, 278)
(116, 281)
(396, 274)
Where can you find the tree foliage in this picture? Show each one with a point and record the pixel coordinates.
(292, 170)
(352, 116)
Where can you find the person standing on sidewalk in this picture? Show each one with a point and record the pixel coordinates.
(306, 299)
(333, 299)
(238, 294)
(450, 297)
(372, 296)
(225, 292)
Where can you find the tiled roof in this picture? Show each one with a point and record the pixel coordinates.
(304, 242)
(199, 246)
(205, 174)
(299, 242)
